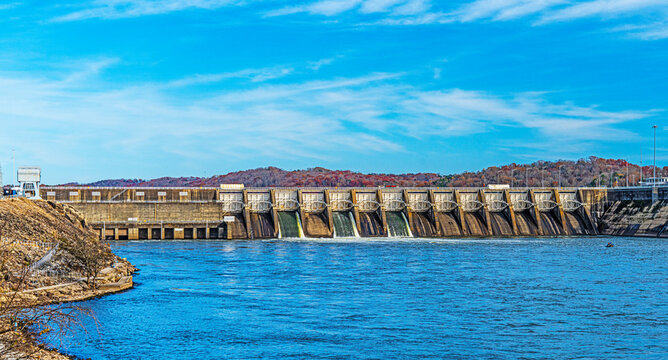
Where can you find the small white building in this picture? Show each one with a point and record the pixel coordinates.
(29, 178)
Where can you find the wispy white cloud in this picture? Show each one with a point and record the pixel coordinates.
(9, 5)
(539, 12)
(462, 111)
(427, 18)
(117, 9)
(652, 31)
(603, 8)
(86, 70)
(545, 12)
(412, 7)
(316, 65)
(315, 119)
(323, 7)
(337, 7)
(71, 122)
(501, 9)
(252, 75)
(331, 7)
(377, 6)
(422, 11)
(403, 12)
(549, 11)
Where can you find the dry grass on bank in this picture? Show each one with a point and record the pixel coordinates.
(30, 230)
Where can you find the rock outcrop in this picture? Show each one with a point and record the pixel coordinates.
(48, 255)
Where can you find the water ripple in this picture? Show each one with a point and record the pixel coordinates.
(387, 299)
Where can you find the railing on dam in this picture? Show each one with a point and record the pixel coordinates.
(496, 205)
(420, 206)
(522, 205)
(314, 206)
(286, 199)
(446, 206)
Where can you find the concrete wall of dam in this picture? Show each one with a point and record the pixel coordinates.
(639, 212)
(263, 213)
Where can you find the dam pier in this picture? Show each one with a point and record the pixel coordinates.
(135, 213)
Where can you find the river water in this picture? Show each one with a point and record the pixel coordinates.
(554, 298)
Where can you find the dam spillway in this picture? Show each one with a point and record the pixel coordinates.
(344, 224)
(270, 213)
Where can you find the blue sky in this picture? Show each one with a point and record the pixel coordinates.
(140, 89)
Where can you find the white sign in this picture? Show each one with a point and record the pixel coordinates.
(183, 193)
(132, 219)
(74, 193)
(229, 219)
(140, 193)
(96, 193)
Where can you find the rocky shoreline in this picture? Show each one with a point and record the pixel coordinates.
(111, 280)
(49, 256)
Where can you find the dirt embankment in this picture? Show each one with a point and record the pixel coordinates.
(49, 255)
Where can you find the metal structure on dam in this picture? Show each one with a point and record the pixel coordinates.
(264, 213)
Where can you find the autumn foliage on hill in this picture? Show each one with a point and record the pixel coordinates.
(272, 176)
(584, 172)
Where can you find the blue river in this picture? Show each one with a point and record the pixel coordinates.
(551, 298)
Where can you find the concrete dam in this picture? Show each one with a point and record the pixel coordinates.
(266, 213)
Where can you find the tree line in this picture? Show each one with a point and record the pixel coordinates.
(593, 171)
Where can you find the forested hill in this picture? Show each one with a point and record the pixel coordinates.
(584, 172)
(271, 176)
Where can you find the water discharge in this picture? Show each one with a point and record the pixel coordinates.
(397, 226)
(289, 225)
(344, 224)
